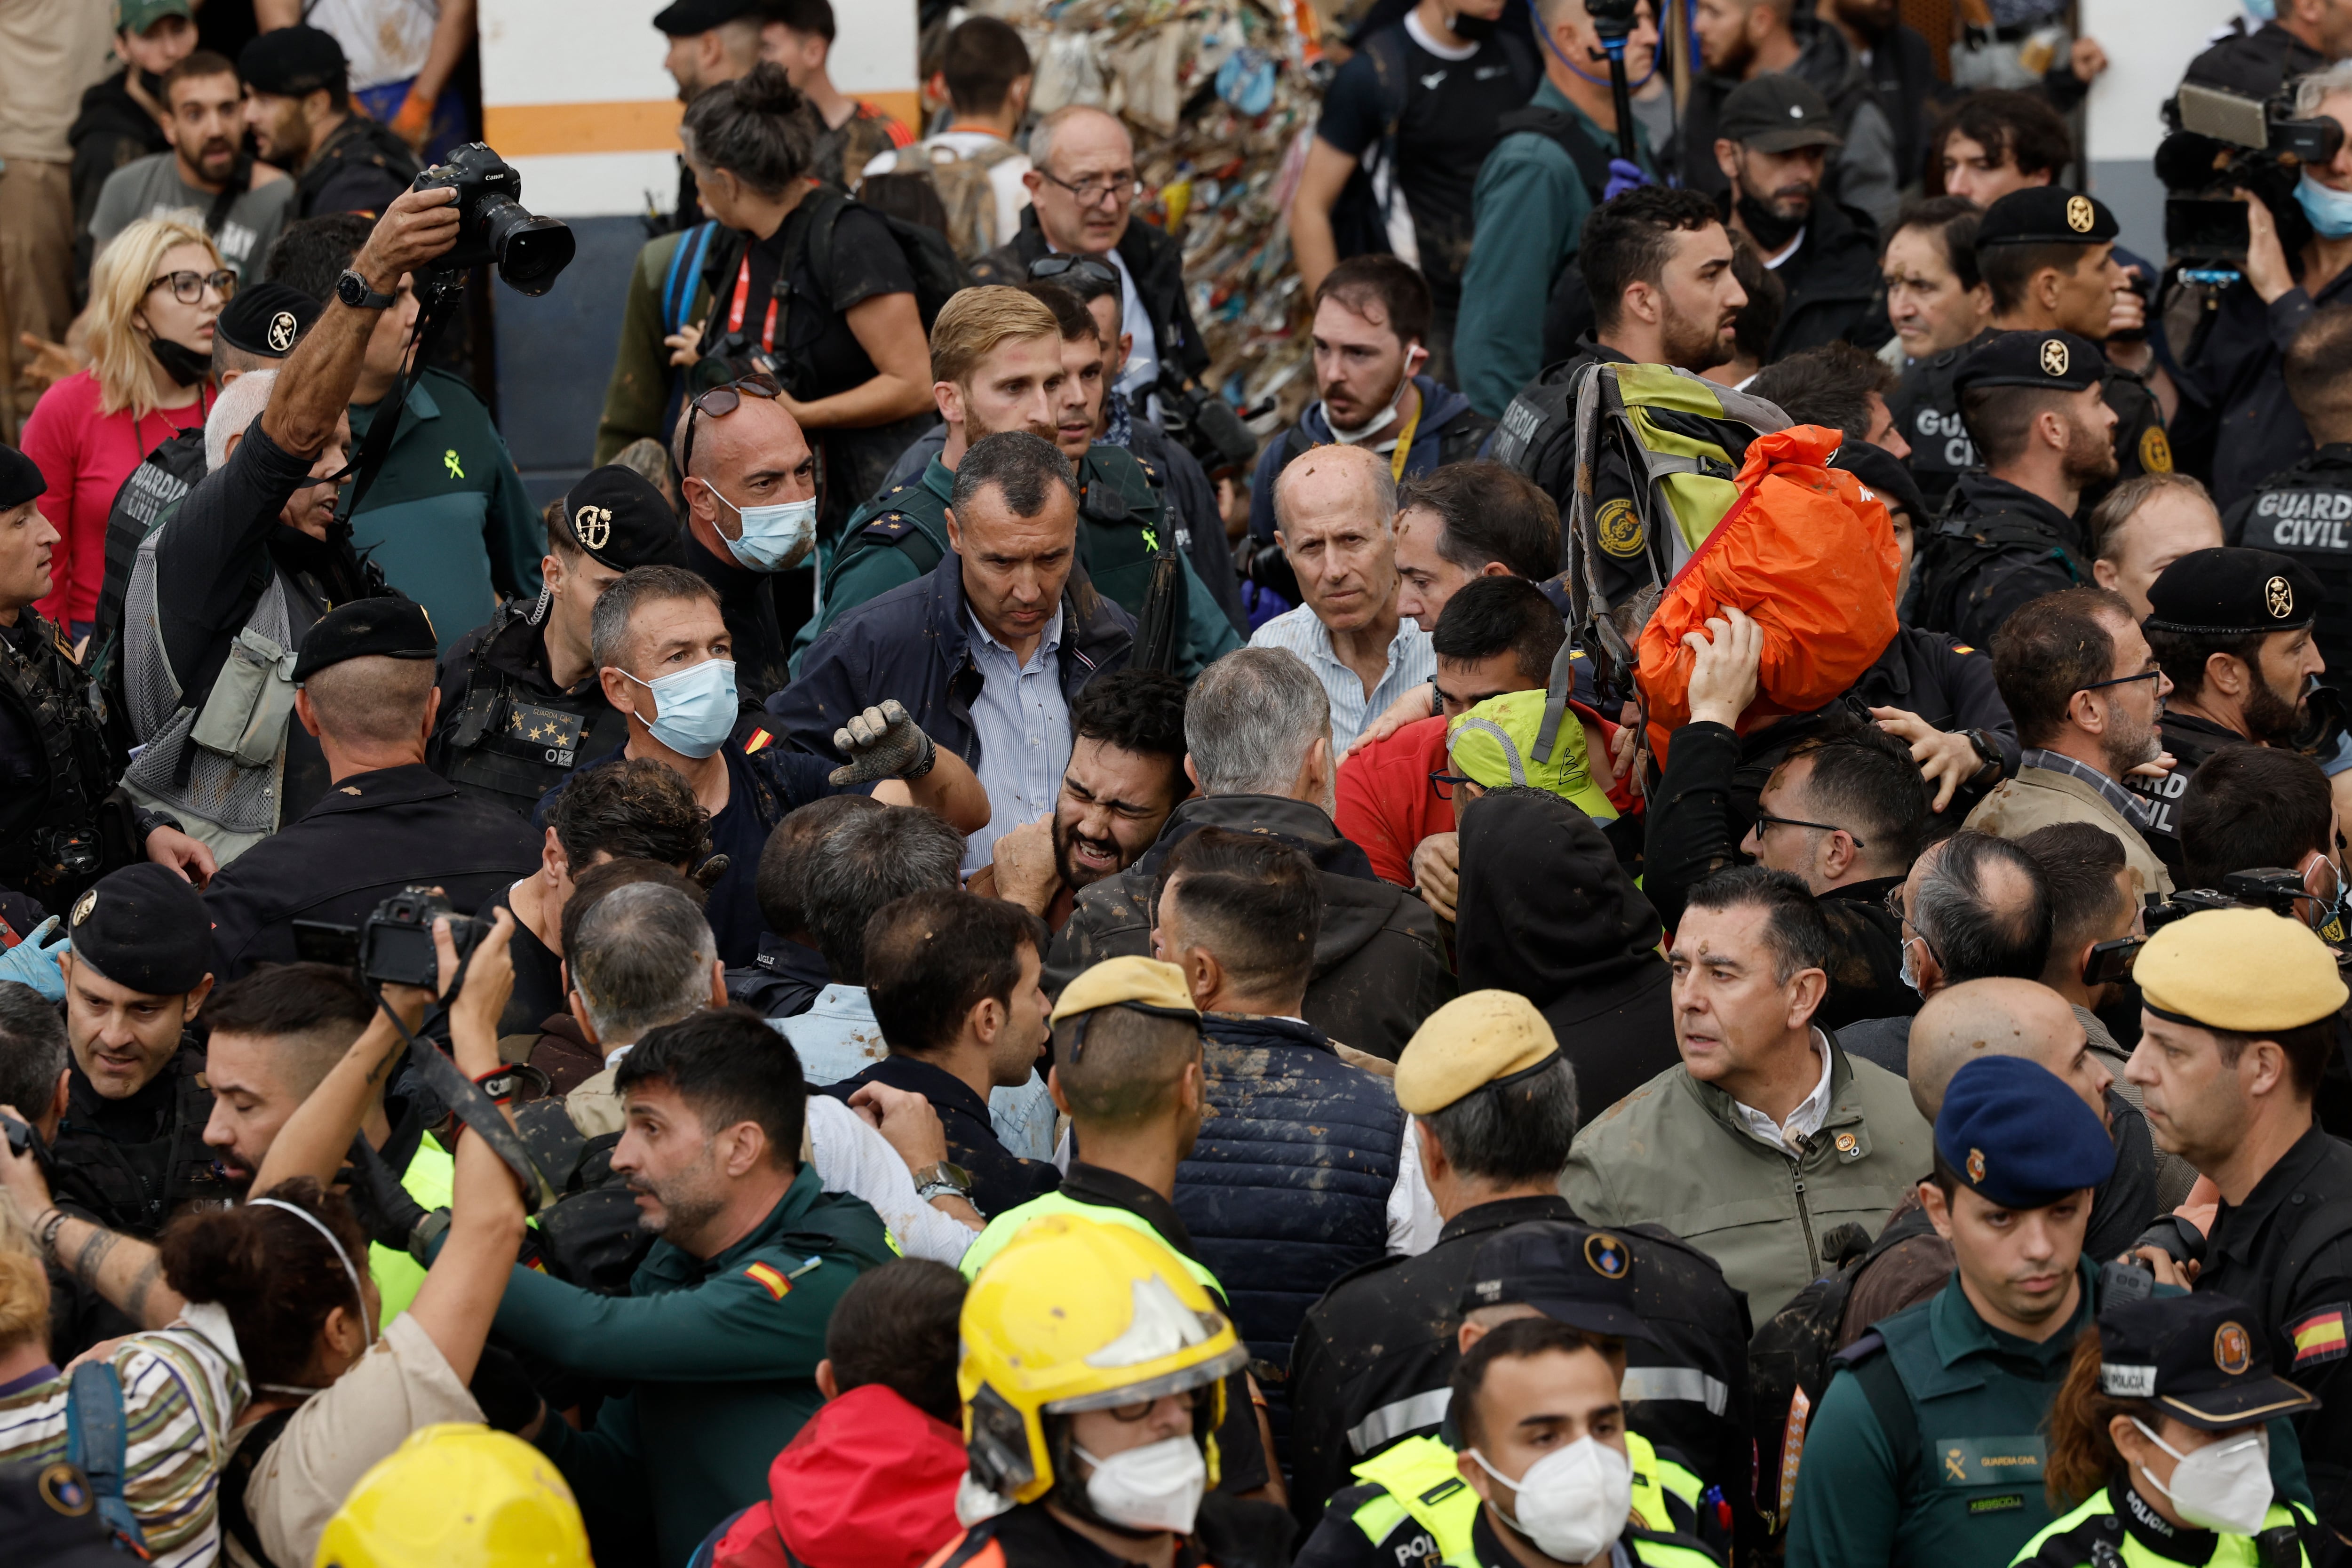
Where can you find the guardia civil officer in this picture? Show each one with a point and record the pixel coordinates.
(2256, 610)
(2048, 254)
(386, 821)
(63, 822)
(2160, 1433)
(2032, 402)
(2306, 511)
(1494, 1103)
(1927, 1447)
(520, 701)
(2241, 1011)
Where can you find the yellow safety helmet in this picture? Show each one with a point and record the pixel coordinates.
(456, 1495)
(1073, 1315)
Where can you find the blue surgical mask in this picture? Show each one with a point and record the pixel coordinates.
(698, 707)
(2329, 209)
(775, 538)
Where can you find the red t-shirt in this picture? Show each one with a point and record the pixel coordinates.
(1387, 805)
(84, 456)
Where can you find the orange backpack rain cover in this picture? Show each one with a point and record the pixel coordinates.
(1807, 553)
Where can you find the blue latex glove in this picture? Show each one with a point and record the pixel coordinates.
(1624, 176)
(30, 964)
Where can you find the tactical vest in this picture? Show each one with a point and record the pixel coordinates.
(136, 1187)
(1962, 543)
(1009, 1223)
(58, 842)
(2094, 1536)
(1422, 1481)
(2306, 512)
(509, 742)
(1927, 410)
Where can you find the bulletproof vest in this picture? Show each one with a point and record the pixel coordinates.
(1966, 539)
(1926, 409)
(166, 474)
(2306, 512)
(135, 1189)
(1125, 513)
(510, 741)
(53, 836)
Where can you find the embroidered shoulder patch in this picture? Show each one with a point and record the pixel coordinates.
(2320, 1337)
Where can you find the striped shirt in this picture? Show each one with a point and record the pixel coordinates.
(182, 1389)
(1410, 663)
(2134, 808)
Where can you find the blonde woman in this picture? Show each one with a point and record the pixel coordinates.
(154, 292)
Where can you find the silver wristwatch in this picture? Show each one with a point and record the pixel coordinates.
(941, 1180)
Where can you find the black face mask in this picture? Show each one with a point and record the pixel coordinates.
(185, 365)
(1472, 29)
(1771, 231)
(153, 84)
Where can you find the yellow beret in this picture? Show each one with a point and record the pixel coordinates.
(1472, 1041)
(2246, 971)
(1144, 984)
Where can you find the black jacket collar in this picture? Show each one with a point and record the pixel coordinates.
(1112, 1189)
(1294, 822)
(1253, 1031)
(401, 785)
(1984, 493)
(1504, 1213)
(1092, 635)
(2237, 1226)
(936, 1084)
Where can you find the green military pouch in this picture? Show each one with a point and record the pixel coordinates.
(246, 714)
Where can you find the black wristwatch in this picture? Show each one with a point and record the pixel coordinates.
(353, 290)
(1986, 747)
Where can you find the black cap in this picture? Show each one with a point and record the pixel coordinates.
(1577, 1276)
(20, 479)
(2053, 361)
(2223, 592)
(390, 627)
(684, 18)
(2200, 1357)
(292, 61)
(267, 319)
(144, 927)
(2017, 1137)
(2046, 215)
(620, 520)
(49, 1516)
(1778, 112)
(1882, 471)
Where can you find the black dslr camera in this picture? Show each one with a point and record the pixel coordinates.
(2221, 143)
(2273, 888)
(494, 228)
(395, 946)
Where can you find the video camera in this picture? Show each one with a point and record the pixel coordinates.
(2224, 141)
(395, 946)
(494, 228)
(2273, 888)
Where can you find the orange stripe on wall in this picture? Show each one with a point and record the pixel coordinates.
(644, 125)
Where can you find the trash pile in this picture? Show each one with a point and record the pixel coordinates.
(1221, 97)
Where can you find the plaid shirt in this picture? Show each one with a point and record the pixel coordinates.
(2134, 807)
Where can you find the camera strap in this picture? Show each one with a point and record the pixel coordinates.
(469, 1104)
(438, 295)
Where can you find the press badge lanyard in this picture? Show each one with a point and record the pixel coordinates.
(742, 297)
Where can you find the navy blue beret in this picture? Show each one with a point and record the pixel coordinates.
(2017, 1136)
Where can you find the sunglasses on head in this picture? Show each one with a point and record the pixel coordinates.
(719, 402)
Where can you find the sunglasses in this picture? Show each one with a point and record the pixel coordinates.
(1047, 267)
(188, 288)
(719, 402)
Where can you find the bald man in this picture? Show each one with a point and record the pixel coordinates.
(1082, 190)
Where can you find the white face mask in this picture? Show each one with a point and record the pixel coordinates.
(1573, 1501)
(1910, 975)
(1155, 1487)
(2224, 1486)
(775, 538)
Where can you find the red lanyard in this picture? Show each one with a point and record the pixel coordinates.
(742, 294)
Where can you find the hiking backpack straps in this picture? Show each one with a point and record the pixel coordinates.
(96, 1441)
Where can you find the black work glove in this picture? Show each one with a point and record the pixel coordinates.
(383, 1204)
(503, 1390)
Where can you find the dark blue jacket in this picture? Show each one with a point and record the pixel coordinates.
(1450, 431)
(913, 643)
(1289, 1187)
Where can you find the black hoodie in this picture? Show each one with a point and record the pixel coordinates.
(1546, 910)
(111, 129)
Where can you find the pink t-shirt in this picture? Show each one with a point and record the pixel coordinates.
(85, 455)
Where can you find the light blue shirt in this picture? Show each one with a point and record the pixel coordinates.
(1410, 663)
(838, 1038)
(1023, 726)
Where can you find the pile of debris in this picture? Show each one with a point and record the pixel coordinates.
(1221, 97)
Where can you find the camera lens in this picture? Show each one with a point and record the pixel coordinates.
(529, 251)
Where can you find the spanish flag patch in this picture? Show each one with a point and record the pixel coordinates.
(773, 1278)
(2320, 1337)
(759, 740)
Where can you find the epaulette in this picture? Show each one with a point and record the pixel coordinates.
(888, 528)
(1861, 1351)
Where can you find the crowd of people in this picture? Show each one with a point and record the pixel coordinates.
(1752, 789)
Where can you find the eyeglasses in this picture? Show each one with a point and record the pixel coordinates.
(719, 402)
(1084, 265)
(1902, 917)
(1444, 783)
(1766, 820)
(2123, 680)
(188, 288)
(1122, 187)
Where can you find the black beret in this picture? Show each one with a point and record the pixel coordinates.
(292, 61)
(390, 627)
(620, 520)
(2202, 1357)
(267, 319)
(1778, 111)
(2223, 592)
(1882, 471)
(20, 479)
(2046, 215)
(144, 927)
(684, 18)
(2019, 1137)
(2053, 361)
